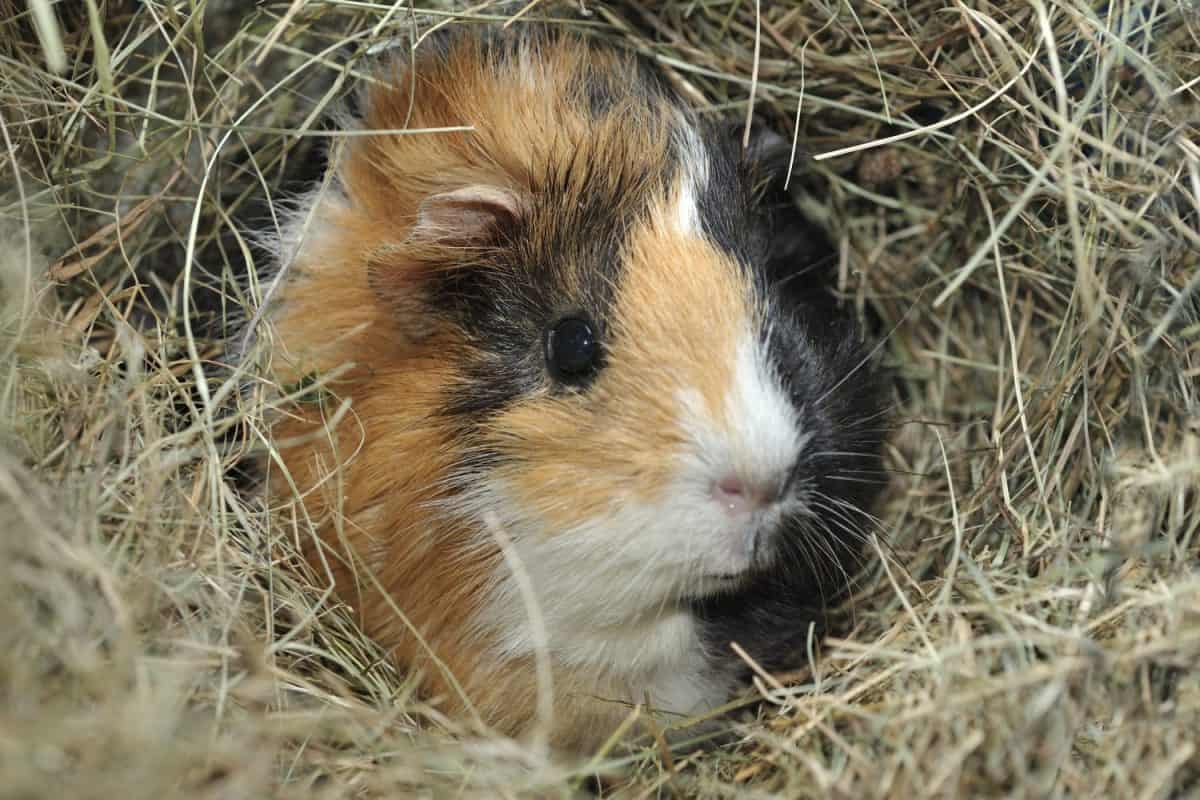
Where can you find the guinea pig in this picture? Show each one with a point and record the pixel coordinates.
(600, 423)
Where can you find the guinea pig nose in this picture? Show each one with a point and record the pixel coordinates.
(738, 497)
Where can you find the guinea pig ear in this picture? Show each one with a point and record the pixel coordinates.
(471, 216)
(769, 154)
(800, 255)
(449, 226)
(766, 146)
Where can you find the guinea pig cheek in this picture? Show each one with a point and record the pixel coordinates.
(569, 463)
(583, 490)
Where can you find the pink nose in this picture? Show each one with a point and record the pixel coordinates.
(738, 497)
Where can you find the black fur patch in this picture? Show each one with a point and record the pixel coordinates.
(837, 392)
(840, 401)
(643, 84)
(560, 260)
(726, 201)
(839, 396)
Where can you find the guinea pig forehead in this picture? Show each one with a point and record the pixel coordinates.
(570, 256)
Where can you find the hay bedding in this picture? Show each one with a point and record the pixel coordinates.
(1030, 253)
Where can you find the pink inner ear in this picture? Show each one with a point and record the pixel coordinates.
(465, 215)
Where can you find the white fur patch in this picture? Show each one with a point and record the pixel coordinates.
(757, 441)
(613, 615)
(760, 417)
(302, 220)
(297, 220)
(687, 213)
(693, 181)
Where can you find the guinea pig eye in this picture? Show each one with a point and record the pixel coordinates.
(572, 350)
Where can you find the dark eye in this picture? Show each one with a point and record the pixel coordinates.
(572, 350)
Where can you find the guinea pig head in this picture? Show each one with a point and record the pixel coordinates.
(635, 406)
(583, 300)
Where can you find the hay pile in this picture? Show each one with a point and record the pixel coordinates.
(1029, 241)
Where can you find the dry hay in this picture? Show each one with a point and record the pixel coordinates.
(1028, 240)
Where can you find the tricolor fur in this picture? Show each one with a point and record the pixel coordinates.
(709, 476)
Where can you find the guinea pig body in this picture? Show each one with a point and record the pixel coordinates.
(591, 415)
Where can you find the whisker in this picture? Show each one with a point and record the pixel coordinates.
(844, 453)
(884, 542)
(809, 270)
(846, 506)
(838, 510)
(866, 359)
(850, 479)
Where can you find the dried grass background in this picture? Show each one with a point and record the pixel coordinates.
(1029, 242)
